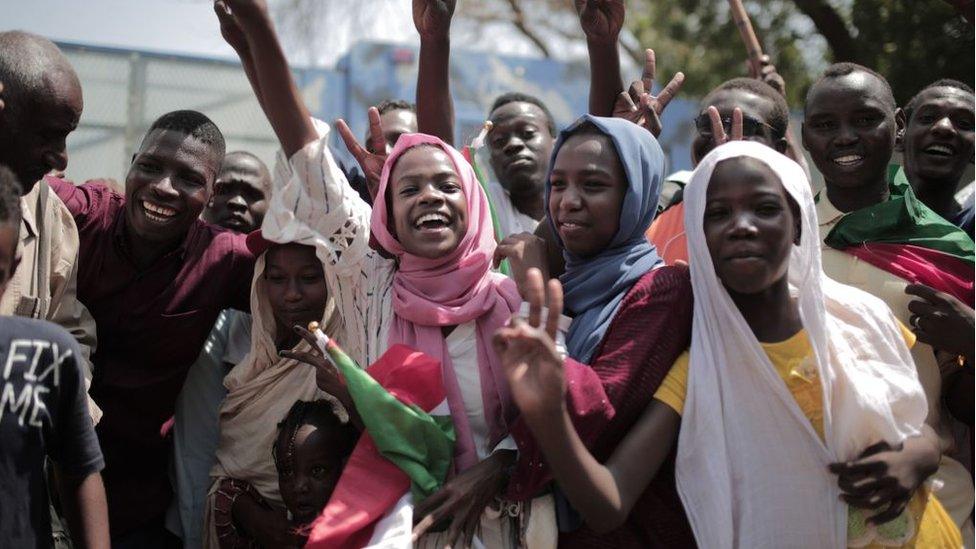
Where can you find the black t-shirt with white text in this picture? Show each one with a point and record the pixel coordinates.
(43, 413)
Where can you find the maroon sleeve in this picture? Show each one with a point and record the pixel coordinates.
(243, 273)
(75, 198)
(651, 328)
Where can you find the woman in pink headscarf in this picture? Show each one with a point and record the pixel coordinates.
(427, 282)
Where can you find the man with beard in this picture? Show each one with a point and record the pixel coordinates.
(938, 146)
(879, 237)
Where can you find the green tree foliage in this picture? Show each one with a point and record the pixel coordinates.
(911, 42)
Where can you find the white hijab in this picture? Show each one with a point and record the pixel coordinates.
(751, 471)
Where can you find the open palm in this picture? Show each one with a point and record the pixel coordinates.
(528, 352)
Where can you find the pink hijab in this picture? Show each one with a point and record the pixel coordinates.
(450, 290)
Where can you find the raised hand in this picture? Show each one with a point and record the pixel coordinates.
(601, 20)
(230, 29)
(243, 9)
(528, 353)
(432, 18)
(718, 126)
(639, 106)
(370, 162)
(769, 75)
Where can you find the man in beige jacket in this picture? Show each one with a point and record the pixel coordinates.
(40, 104)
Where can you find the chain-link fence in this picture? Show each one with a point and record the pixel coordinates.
(126, 90)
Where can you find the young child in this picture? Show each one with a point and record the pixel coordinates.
(801, 415)
(310, 451)
(43, 414)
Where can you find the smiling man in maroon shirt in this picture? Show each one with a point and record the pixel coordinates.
(155, 277)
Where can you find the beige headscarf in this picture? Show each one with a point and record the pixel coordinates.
(264, 386)
(260, 391)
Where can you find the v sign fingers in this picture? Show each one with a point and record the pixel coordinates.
(650, 70)
(718, 131)
(377, 142)
(555, 292)
(736, 125)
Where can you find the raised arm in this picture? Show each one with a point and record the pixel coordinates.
(234, 36)
(435, 107)
(603, 494)
(601, 21)
(276, 89)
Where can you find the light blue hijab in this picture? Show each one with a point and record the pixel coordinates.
(595, 286)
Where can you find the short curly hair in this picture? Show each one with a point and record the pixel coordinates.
(838, 70)
(941, 83)
(194, 124)
(517, 97)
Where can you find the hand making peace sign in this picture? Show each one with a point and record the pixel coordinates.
(370, 162)
(639, 106)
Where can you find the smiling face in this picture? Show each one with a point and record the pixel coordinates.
(294, 282)
(429, 209)
(520, 145)
(240, 195)
(588, 185)
(309, 474)
(168, 185)
(938, 140)
(849, 129)
(34, 132)
(750, 225)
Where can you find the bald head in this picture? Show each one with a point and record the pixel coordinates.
(43, 104)
(27, 64)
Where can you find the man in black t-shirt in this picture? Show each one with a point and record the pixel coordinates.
(43, 414)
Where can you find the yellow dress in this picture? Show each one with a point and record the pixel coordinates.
(793, 360)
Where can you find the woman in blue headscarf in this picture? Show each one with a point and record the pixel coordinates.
(631, 315)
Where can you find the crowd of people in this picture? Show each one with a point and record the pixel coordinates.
(583, 351)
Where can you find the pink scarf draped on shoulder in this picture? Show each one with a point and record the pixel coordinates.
(457, 288)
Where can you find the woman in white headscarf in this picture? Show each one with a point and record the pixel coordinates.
(797, 401)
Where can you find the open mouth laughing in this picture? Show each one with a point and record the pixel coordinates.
(848, 160)
(157, 213)
(433, 222)
(940, 150)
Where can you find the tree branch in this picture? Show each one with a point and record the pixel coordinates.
(832, 26)
(518, 21)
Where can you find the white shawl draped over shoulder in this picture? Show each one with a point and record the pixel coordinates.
(750, 470)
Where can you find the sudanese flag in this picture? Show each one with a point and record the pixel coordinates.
(906, 238)
(403, 456)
